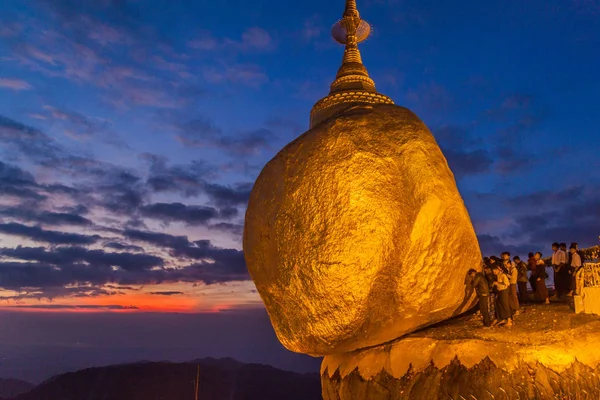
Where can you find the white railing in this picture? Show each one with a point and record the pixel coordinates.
(591, 275)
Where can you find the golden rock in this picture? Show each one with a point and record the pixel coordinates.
(356, 234)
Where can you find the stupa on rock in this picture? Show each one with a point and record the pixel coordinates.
(356, 237)
(352, 85)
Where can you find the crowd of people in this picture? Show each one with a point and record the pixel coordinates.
(502, 285)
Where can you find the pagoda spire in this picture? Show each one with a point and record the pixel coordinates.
(352, 84)
(351, 30)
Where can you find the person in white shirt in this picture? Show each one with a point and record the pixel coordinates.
(561, 274)
(502, 285)
(575, 271)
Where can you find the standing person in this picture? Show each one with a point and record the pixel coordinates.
(559, 263)
(502, 284)
(482, 289)
(513, 274)
(500, 263)
(578, 251)
(506, 257)
(493, 261)
(540, 279)
(564, 271)
(521, 279)
(486, 261)
(490, 277)
(576, 266)
(531, 264)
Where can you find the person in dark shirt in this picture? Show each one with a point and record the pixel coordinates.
(540, 279)
(522, 279)
(531, 266)
(482, 288)
(490, 277)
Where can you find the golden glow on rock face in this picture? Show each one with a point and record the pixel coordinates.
(356, 234)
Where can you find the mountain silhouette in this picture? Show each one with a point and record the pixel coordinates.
(224, 379)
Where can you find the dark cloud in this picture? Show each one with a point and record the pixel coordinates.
(188, 180)
(75, 307)
(12, 175)
(493, 245)
(72, 255)
(229, 196)
(156, 239)
(202, 132)
(457, 136)
(18, 183)
(122, 188)
(46, 273)
(122, 199)
(464, 163)
(28, 141)
(463, 150)
(193, 180)
(472, 149)
(68, 268)
(166, 293)
(122, 287)
(225, 264)
(49, 280)
(233, 229)
(546, 198)
(244, 167)
(231, 270)
(228, 212)
(511, 160)
(121, 246)
(52, 292)
(247, 143)
(542, 217)
(45, 217)
(178, 212)
(79, 209)
(38, 234)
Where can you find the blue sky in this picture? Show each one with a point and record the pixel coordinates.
(132, 131)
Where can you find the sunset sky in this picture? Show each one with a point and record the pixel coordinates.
(131, 133)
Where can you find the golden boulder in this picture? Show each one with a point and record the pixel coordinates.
(356, 233)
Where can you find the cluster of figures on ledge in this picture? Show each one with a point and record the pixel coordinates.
(502, 285)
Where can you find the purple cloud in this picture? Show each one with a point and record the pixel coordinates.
(14, 84)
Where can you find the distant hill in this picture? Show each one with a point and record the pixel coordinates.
(225, 379)
(13, 387)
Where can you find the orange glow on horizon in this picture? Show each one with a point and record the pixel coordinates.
(163, 298)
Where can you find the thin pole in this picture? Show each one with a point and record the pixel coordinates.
(197, 381)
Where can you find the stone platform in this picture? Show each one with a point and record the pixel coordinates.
(549, 353)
